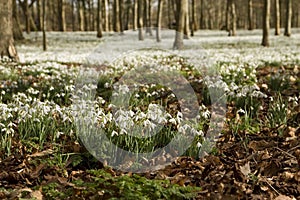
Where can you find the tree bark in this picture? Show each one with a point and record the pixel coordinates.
(187, 23)
(61, 15)
(17, 31)
(234, 19)
(135, 15)
(39, 15)
(121, 15)
(116, 16)
(105, 16)
(99, 20)
(266, 23)
(7, 47)
(180, 21)
(80, 15)
(44, 25)
(250, 15)
(277, 17)
(149, 18)
(140, 19)
(158, 20)
(288, 23)
(194, 25)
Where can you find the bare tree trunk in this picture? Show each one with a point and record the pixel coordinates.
(39, 15)
(116, 16)
(187, 23)
(266, 23)
(180, 21)
(228, 16)
(140, 19)
(7, 47)
(105, 15)
(127, 14)
(80, 15)
(158, 20)
(194, 25)
(17, 31)
(149, 18)
(277, 17)
(99, 20)
(121, 15)
(44, 25)
(250, 15)
(73, 15)
(169, 14)
(288, 24)
(135, 15)
(234, 19)
(61, 15)
(85, 16)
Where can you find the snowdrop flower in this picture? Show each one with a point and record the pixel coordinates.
(199, 145)
(113, 133)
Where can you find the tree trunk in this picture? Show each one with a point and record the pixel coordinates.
(140, 19)
(44, 25)
(105, 15)
(135, 15)
(180, 21)
(85, 16)
(158, 20)
(121, 15)
(266, 23)
(187, 23)
(288, 23)
(61, 15)
(194, 25)
(80, 15)
(99, 20)
(127, 14)
(250, 15)
(73, 15)
(169, 14)
(17, 31)
(39, 15)
(228, 16)
(277, 17)
(149, 18)
(116, 16)
(234, 19)
(7, 47)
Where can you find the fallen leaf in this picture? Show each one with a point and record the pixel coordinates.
(246, 169)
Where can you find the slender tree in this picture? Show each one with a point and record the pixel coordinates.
(277, 17)
(158, 20)
(288, 23)
(186, 23)
(194, 25)
(105, 15)
(135, 15)
(17, 31)
(99, 20)
(266, 23)
(250, 15)
(44, 24)
(80, 15)
(61, 16)
(140, 19)
(116, 16)
(180, 21)
(7, 47)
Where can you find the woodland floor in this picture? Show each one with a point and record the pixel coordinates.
(262, 164)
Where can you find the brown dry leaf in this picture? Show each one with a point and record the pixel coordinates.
(37, 195)
(246, 169)
(42, 153)
(283, 197)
